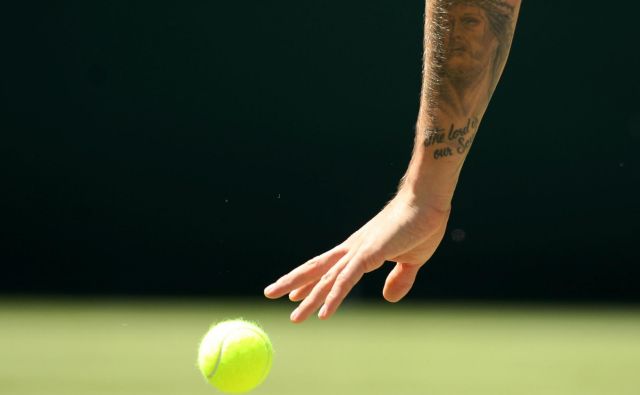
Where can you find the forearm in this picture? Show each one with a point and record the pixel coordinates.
(466, 44)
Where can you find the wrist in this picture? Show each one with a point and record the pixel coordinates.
(430, 181)
(417, 193)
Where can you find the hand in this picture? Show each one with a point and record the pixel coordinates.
(405, 231)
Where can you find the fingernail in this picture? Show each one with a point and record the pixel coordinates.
(294, 315)
(269, 288)
(323, 312)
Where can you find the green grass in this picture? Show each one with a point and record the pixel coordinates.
(59, 347)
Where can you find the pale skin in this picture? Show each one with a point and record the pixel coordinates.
(466, 46)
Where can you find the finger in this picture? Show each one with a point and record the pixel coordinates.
(346, 280)
(308, 272)
(399, 282)
(300, 293)
(319, 293)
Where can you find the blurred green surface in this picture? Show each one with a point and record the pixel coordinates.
(138, 347)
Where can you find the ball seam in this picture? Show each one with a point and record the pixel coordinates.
(215, 368)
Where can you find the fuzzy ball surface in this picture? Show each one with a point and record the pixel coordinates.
(235, 356)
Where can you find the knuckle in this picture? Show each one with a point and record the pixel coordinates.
(341, 248)
(312, 263)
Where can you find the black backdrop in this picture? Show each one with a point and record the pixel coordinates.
(207, 147)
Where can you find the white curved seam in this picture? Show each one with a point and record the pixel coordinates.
(215, 368)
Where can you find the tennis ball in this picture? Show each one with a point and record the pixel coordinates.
(235, 356)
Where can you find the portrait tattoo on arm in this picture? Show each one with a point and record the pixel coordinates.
(466, 47)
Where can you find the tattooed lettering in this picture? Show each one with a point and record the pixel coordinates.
(442, 152)
(459, 138)
(464, 144)
(460, 132)
(434, 136)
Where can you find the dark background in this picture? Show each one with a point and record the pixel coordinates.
(206, 147)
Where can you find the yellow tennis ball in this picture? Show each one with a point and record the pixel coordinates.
(235, 356)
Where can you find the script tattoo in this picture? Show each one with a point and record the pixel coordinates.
(466, 46)
(454, 140)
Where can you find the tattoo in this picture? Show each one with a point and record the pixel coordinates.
(466, 46)
(454, 140)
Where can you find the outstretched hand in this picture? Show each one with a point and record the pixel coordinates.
(404, 232)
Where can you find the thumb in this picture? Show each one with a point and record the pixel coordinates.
(399, 281)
